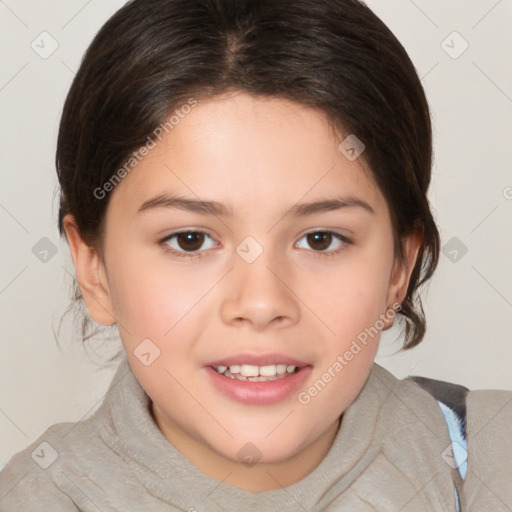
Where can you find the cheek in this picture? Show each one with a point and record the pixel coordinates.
(154, 298)
(350, 297)
(350, 310)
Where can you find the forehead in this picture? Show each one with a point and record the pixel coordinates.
(248, 152)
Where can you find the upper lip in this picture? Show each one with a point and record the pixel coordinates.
(257, 360)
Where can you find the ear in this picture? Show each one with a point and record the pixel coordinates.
(90, 273)
(402, 271)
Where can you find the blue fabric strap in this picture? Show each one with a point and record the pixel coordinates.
(459, 443)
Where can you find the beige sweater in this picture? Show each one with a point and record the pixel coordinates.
(389, 456)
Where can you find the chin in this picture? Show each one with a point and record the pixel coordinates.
(252, 449)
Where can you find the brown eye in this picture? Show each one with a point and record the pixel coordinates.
(325, 242)
(190, 241)
(320, 240)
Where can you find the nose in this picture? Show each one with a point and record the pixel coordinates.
(258, 294)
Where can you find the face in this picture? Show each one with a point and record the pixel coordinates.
(252, 280)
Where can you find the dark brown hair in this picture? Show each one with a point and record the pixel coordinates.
(335, 55)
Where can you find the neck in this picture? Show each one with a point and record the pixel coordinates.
(262, 476)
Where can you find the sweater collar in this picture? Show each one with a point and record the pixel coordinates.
(369, 424)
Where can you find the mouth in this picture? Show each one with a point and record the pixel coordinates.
(253, 373)
(258, 379)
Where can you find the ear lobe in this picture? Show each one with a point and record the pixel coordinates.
(90, 274)
(402, 270)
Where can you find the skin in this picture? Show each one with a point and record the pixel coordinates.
(260, 157)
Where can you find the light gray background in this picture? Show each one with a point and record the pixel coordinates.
(468, 304)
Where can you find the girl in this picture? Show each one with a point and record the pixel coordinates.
(244, 192)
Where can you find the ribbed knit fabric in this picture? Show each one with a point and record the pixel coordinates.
(388, 455)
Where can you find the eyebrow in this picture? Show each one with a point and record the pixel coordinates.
(221, 210)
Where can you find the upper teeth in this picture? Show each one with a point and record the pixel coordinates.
(249, 370)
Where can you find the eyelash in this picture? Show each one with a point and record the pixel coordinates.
(199, 254)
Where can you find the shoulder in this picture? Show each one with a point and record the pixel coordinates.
(40, 477)
(28, 480)
(486, 405)
(485, 452)
(489, 424)
(418, 398)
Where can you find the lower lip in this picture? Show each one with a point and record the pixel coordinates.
(259, 393)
